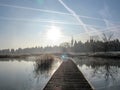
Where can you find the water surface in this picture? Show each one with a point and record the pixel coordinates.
(103, 74)
(21, 74)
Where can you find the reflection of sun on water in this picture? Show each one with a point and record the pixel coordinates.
(54, 33)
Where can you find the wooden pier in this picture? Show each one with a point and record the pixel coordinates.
(68, 77)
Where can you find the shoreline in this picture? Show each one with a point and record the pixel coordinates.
(97, 54)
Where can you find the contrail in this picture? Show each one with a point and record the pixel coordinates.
(57, 22)
(111, 29)
(75, 15)
(78, 19)
(106, 23)
(105, 30)
(34, 9)
(44, 20)
(49, 11)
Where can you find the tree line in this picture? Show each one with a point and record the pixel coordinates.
(96, 46)
(91, 45)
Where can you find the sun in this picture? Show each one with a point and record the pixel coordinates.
(54, 33)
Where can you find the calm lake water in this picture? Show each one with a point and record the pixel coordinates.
(21, 74)
(103, 74)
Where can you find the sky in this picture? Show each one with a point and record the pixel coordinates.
(30, 23)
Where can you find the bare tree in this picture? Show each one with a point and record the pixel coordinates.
(107, 39)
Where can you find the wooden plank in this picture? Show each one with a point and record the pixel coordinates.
(68, 77)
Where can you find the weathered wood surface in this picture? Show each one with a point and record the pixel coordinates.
(68, 77)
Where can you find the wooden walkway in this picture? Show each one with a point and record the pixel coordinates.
(68, 77)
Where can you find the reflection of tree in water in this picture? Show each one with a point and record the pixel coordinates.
(109, 68)
(109, 72)
(43, 64)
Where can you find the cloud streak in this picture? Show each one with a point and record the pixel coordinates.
(44, 21)
(110, 28)
(90, 30)
(72, 13)
(78, 19)
(114, 28)
(106, 15)
(75, 15)
(48, 11)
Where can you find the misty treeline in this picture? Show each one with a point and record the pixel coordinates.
(106, 44)
(96, 46)
(91, 45)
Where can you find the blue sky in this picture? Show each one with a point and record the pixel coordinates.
(25, 23)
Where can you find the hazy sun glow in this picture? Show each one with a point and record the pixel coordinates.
(54, 33)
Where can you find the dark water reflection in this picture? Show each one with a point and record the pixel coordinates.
(21, 74)
(104, 74)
